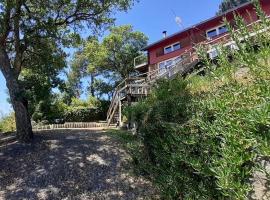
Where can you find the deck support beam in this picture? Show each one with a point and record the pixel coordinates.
(120, 114)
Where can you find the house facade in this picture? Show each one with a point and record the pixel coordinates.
(176, 54)
(169, 50)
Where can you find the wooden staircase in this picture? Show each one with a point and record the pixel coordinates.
(137, 87)
(134, 87)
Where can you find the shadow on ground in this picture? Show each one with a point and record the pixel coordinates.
(69, 164)
(261, 181)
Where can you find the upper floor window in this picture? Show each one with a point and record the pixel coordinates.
(172, 48)
(222, 29)
(216, 31)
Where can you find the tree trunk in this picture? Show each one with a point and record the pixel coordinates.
(20, 105)
(92, 80)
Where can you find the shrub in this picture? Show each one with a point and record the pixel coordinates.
(79, 110)
(82, 114)
(203, 136)
(204, 145)
(7, 123)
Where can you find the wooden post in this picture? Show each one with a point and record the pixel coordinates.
(120, 114)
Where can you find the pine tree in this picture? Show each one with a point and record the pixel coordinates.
(229, 4)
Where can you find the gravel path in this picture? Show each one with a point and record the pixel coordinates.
(69, 164)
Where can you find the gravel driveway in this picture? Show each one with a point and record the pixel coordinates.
(69, 164)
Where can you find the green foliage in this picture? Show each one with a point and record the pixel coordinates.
(77, 110)
(7, 123)
(32, 37)
(123, 44)
(203, 136)
(106, 62)
(82, 115)
(226, 5)
(88, 110)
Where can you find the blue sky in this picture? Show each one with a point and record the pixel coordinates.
(150, 17)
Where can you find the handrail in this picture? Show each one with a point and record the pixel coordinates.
(143, 59)
(111, 114)
(113, 99)
(118, 96)
(142, 88)
(209, 42)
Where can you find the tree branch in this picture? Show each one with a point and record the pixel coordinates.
(17, 43)
(6, 24)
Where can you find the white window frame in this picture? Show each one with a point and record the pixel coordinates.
(171, 46)
(216, 29)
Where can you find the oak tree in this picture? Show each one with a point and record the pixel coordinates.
(112, 58)
(26, 25)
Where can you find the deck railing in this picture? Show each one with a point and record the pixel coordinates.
(141, 60)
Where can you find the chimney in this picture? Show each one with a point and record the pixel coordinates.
(164, 34)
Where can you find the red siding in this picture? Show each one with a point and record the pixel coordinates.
(154, 59)
(197, 34)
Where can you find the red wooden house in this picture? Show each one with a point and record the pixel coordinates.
(176, 54)
(169, 50)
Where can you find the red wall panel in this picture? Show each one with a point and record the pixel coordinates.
(197, 34)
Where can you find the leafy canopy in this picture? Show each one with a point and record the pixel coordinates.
(112, 59)
(226, 5)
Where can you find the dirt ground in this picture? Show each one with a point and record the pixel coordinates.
(69, 164)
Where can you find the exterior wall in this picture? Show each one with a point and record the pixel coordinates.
(197, 34)
(154, 59)
(157, 55)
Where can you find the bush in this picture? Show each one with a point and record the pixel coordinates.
(204, 145)
(79, 110)
(80, 114)
(203, 136)
(7, 123)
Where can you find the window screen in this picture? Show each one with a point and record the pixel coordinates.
(212, 33)
(222, 30)
(168, 49)
(176, 46)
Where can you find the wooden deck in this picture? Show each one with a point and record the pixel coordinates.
(138, 87)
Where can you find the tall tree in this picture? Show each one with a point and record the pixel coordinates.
(123, 44)
(226, 5)
(24, 27)
(40, 76)
(112, 58)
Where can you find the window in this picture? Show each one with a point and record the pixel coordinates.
(222, 29)
(176, 46)
(168, 63)
(172, 48)
(212, 33)
(216, 32)
(178, 59)
(168, 49)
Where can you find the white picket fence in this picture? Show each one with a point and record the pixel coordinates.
(71, 125)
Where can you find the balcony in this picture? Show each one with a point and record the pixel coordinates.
(141, 61)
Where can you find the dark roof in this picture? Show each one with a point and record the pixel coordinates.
(198, 24)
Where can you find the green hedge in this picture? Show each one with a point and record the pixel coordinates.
(204, 145)
(87, 114)
(83, 115)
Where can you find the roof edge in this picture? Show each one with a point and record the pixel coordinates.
(195, 25)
